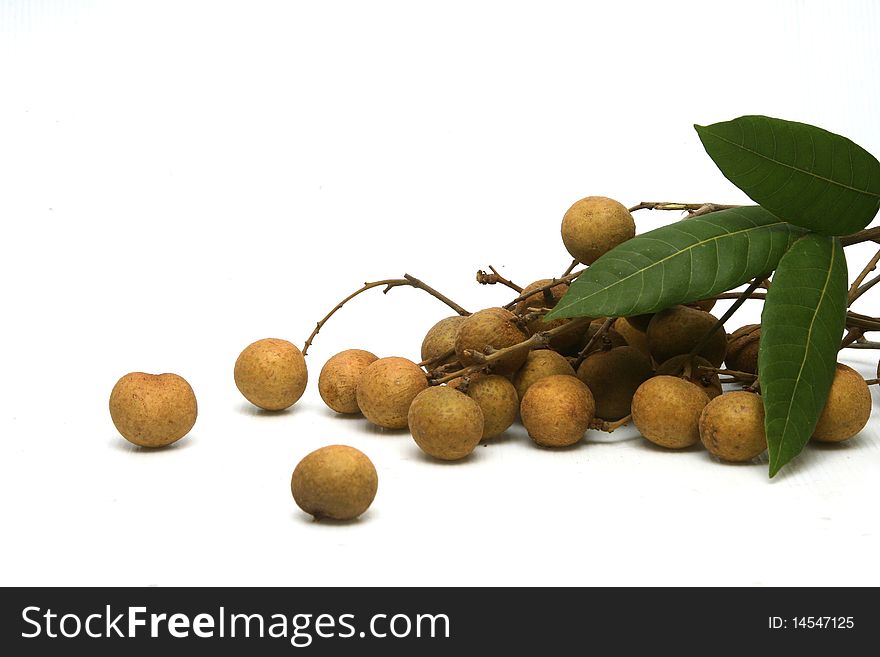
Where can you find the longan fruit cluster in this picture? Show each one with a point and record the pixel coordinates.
(480, 373)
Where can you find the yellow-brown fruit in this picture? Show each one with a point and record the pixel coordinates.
(557, 410)
(666, 410)
(677, 330)
(497, 398)
(732, 427)
(848, 408)
(595, 225)
(153, 410)
(338, 380)
(440, 340)
(271, 373)
(546, 299)
(386, 389)
(337, 482)
(709, 382)
(633, 336)
(445, 423)
(742, 349)
(613, 377)
(488, 330)
(539, 364)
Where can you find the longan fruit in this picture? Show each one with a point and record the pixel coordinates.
(742, 348)
(633, 336)
(540, 363)
(546, 299)
(709, 382)
(666, 410)
(677, 330)
(613, 377)
(386, 388)
(440, 340)
(498, 400)
(557, 410)
(732, 426)
(337, 482)
(338, 380)
(153, 410)
(271, 373)
(847, 409)
(595, 225)
(491, 329)
(445, 423)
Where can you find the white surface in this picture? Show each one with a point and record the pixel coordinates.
(181, 179)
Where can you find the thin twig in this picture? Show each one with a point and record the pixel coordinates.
(867, 235)
(864, 344)
(609, 427)
(727, 315)
(872, 382)
(598, 335)
(565, 280)
(852, 335)
(541, 339)
(736, 375)
(693, 209)
(485, 278)
(388, 284)
(437, 359)
(574, 263)
(854, 288)
(864, 288)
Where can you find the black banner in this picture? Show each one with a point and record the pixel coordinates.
(432, 621)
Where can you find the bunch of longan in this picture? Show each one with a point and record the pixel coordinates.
(480, 372)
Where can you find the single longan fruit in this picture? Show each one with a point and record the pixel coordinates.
(742, 348)
(440, 340)
(337, 482)
(709, 382)
(557, 410)
(595, 225)
(666, 410)
(677, 330)
(633, 336)
(153, 410)
(732, 427)
(540, 363)
(487, 330)
(497, 398)
(546, 299)
(848, 408)
(386, 389)
(445, 423)
(613, 377)
(271, 373)
(338, 380)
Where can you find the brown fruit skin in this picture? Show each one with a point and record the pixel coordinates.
(633, 336)
(677, 330)
(386, 389)
(666, 410)
(496, 328)
(497, 398)
(337, 482)
(613, 377)
(337, 383)
(539, 364)
(271, 373)
(848, 408)
(557, 410)
(742, 349)
(708, 383)
(153, 410)
(440, 339)
(595, 225)
(542, 300)
(445, 423)
(732, 427)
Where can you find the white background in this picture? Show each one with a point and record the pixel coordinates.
(179, 179)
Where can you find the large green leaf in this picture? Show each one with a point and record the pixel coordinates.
(801, 328)
(686, 261)
(803, 174)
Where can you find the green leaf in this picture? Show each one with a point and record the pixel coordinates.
(686, 261)
(801, 328)
(803, 174)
